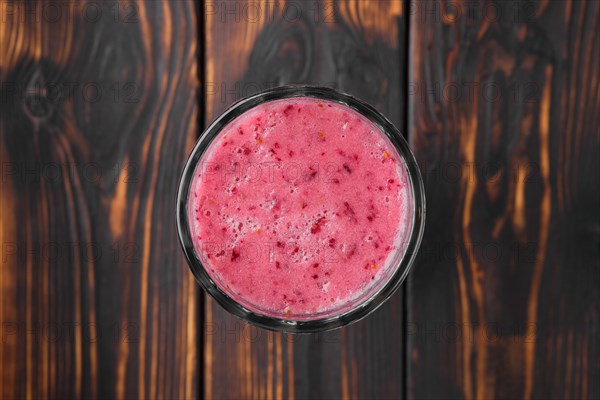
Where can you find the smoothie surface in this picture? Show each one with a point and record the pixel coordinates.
(298, 207)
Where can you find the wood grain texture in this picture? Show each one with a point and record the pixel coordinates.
(354, 46)
(98, 108)
(504, 300)
(98, 111)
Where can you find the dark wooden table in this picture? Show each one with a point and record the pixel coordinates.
(101, 102)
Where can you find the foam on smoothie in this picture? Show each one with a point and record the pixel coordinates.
(298, 207)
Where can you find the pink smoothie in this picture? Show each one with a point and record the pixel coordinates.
(300, 206)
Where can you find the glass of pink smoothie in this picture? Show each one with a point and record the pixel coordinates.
(300, 209)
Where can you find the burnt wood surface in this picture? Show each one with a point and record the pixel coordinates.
(352, 46)
(98, 112)
(100, 103)
(504, 299)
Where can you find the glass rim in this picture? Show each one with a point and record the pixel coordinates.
(399, 271)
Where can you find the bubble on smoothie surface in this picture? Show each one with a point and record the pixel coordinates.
(298, 205)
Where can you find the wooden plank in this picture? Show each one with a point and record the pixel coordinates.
(354, 46)
(504, 299)
(98, 111)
